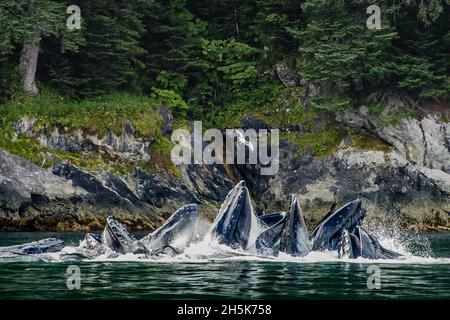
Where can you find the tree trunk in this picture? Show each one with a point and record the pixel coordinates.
(236, 22)
(28, 64)
(29, 58)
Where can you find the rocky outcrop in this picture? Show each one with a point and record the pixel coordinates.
(287, 76)
(408, 185)
(423, 144)
(125, 145)
(65, 198)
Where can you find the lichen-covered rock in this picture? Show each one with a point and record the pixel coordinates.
(126, 145)
(423, 143)
(409, 184)
(288, 77)
(167, 117)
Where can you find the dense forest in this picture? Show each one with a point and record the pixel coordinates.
(203, 57)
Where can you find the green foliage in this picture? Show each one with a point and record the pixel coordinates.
(93, 116)
(19, 22)
(368, 142)
(205, 49)
(343, 56)
(107, 113)
(330, 103)
(171, 99)
(161, 161)
(162, 146)
(274, 22)
(260, 101)
(395, 116)
(227, 65)
(20, 19)
(171, 81)
(322, 142)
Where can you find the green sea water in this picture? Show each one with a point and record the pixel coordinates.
(244, 278)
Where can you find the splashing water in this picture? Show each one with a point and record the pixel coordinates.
(407, 243)
(414, 247)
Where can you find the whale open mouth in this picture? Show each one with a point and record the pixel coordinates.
(117, 238)
(236, 218)
(327, 234)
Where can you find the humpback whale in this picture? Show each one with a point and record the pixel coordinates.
(118, 239)
(236, 219)
(35, 247)
(361, 244)
(295, 239)
(327, 235)
(270, 219)
(268, 241)
(176, 232)
(236, 226)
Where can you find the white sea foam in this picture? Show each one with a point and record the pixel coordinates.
(204, 248)
(209, 250)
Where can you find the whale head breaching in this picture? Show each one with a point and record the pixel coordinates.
(176, 232)
(272, 224)
(117, 238)
(295, 239)
(327, 234)
(360, 243)
(236, 219)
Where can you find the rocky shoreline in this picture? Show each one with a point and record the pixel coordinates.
(408, 184)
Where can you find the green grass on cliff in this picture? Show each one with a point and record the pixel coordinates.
(98, 115)
(323, 141)
(281, 107)
(271, 103)
(92, 116)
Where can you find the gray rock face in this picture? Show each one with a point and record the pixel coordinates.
(167, 117)
(288, 77)
(125, 145)
(65, 198)
(409, 184)
(425, 143)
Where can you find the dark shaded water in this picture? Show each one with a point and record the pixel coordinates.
(411, 279)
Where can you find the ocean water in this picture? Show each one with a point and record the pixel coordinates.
(213, 273)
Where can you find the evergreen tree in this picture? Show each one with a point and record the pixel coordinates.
(173, 43)
(274, 21)
(24, 23)
(111, 58)
(338, 51)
